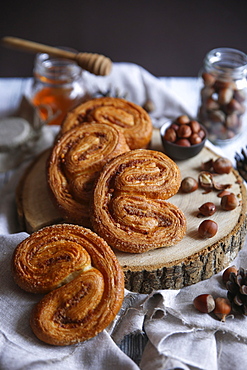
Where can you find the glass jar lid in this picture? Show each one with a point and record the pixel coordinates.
(15, 131)
(228, 62)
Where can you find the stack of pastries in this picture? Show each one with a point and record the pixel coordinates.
(102, 177)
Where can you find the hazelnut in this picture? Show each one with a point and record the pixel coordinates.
(183, 119)
(184, 131)
(219, 84)
(189, 184)
(222, 165)
(201, 134)
(211, 104)
(207, 209)
(195, 126)
(183, 142)
(175, 126)
(204, 303)
(234, 106)
(208, 79)
(229, 202)
(205, 179)
(228, 271)
(195, 139)
(232, 121)
(217, 116)
(240, 95)
(225, 95)
(207, 228)
(170, 135)
(222, 308)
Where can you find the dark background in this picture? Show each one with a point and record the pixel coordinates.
(168, 38)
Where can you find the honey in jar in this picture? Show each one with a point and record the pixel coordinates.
(57, 87)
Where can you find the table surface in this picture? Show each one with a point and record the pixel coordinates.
(186, 89)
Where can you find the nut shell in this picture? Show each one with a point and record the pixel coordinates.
(204, 303)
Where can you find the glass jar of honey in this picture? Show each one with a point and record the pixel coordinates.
(223, 94)
(57, 87)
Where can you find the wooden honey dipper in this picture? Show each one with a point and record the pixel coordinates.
(94, 63)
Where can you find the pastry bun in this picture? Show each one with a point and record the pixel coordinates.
(131, 119)
(130, 210)
(81, 276)
(75, 161)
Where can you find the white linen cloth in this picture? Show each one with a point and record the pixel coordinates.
(179, 337)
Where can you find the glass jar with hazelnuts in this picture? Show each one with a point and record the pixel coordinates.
(183, 137)
(223, 94)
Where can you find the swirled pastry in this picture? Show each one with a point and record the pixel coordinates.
(75, 161)
(130, 209)
(82, 275)
(129, 118)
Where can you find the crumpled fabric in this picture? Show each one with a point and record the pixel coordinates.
(138, 85)
(178, 336)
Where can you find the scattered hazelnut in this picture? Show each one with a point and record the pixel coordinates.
(229, 202)
(204, 303)
(205, 180)
(189, 184)
(207, 209)
(228, 271)
(222, 308)
(207, 228)
(222, 165)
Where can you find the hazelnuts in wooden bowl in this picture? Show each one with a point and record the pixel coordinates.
(183, 138)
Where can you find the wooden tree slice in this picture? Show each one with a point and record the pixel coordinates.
(191, 260)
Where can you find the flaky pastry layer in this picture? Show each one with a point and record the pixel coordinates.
(74, 164)
(130, 210)
(82, 275)
(131, 119)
